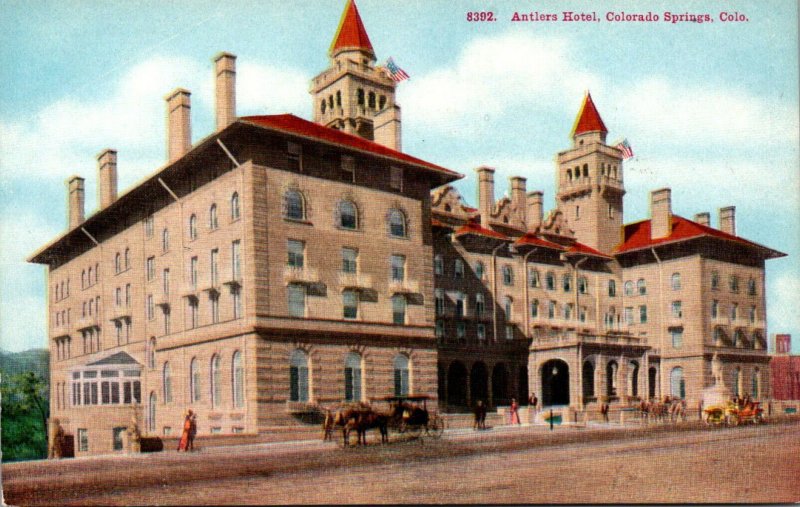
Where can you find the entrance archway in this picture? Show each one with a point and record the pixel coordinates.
(457, 385)
(500, 385)
(479, 383)
(555, 383)
(634, 379)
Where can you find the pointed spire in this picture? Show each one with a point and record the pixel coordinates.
(351, 34)
(588, 119)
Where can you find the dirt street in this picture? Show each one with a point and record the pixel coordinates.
(745, 464)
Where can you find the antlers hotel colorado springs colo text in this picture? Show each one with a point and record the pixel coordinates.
(280, 264)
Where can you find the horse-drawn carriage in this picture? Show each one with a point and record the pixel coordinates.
(733, 414)
(407, 416)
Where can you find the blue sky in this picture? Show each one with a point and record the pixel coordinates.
(711, 109)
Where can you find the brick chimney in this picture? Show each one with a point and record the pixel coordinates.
(485, 193)
(660, 213)
(225, 71)
(106, 178)
(75, 199)
(179, 130)
(518, 198)
(535, 210)
(387, 128)
(727, 219)
(703, 218)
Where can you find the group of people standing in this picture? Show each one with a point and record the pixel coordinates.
(480, 412)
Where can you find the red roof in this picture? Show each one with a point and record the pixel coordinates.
(292, 124)
(532, 239)
(351, 33)
(637, 236)
(588, 119)
(580, 248)
(439, 223)
(474, 228)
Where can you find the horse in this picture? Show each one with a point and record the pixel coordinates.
(364, 420)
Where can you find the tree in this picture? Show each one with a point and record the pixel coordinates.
(25, 409)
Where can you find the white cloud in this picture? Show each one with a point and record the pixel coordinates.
(266, 89)
(782, 296)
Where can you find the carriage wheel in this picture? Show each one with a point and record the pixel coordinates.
(436, 428)
(733, 420)
(414, 430)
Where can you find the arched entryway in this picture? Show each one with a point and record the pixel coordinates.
(522, 384)
(555, 383)
(457, 384)
(633, 388)
(479, 383)
(611, 378)
(500, 385)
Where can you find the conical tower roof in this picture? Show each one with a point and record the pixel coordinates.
(351, 34)
(588, 119)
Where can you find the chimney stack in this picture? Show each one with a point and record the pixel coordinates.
(518, 199)
(485, 193)
(727, 220)
(386, 128)
(179, 133)
(660, 213)
(106, 178)
(76, 198)
(535, 210)
(703, 218)
(225, 71)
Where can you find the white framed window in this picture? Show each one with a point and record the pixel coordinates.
(398, 309)
(350, 304)
(349, 260)
(398, 263)
(628, 288)
(677, 338)
(235, 210)
(508, 275)
(216, 380)
(535, 309)
(397, 223)
(298, 376)
(550, 281)
(458, 269)
(676, 281)
(213, 221)
(480, 270)
(352, 377)
(237, 380)
(295, 253)
(566, 282)
(641, 286)
(151, 268)
(294, 205)
(348, 215)
(296, 295)
(194, 381)
(236, 260)
(402, 366)
(193, 227)
(677, 311)
(480, 305)
(438, 298)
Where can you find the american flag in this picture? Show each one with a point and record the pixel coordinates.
(625, 148)
(394, 72)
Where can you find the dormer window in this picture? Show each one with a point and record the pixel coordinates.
(348, 169)
(294, 153)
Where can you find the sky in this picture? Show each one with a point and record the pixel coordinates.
(710, 109)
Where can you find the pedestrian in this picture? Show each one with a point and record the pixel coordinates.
(604, 411)
(514, 411)
(479, 409)
(183, 444)
(192, 431)
(535, 402)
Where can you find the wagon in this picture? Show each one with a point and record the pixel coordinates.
(410, 415)
(732, 414)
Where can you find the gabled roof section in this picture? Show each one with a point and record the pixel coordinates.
(118, 358)
(581, 249)
(533, 240)
(292, 124)
(473, 228)
(351, 33)
(637, 236)
(588, 119)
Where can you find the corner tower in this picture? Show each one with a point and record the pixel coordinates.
(352, 94)
(589, 182)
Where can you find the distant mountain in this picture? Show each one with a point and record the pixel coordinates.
(35, 360)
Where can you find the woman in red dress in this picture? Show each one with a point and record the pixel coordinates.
(514, 411)
(183, 445)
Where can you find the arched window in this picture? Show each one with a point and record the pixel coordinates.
(628, 287)
(237, 380)
(294, 205)
(193, 227)
(352, 377)
(550, 281)
(398, 309)
(569, 174)
(127, 258)
(612, 288)
(167, 383)
(535, 308)
(641, 286)
(676, 281)
(480, 270)
(371, 100)
(585, 170)
(566, 282)
(401, 377)
(583, 285)
(508, 307)
(322, 106)
(89, 278)
(151, 353)
(338, 98)
(151, 412)
(397, 223)
(117, 267)
(677, 383)
(458, 268)
(235, 206)
(360, 96)
(96, 272)
(382, 102)
(508, 275)
(298, 376)
(634, 379)
(348, 215)
(216, 373)
(194, 380)
(165, 240)
(213, 223)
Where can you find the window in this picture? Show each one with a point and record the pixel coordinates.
(213, 223)
(193, 227)
(677, 383)
(481, 331)
(127, 294)
(348, 169)
(150, 308)
(148, 226)
(508, 275)
(193, 272)
(166, 319)
(582, 314)
(360, 96)
(117, 269)
(214, 264)
(151, 412)
(628, 315)
(751, 287)
(752, 314)
(754, 388)
(509, 332)
(533, 278)
(677, 338)
(89, 278)
(295, 253)
(550, 281)
(397, 223)
(83, 440)
(127, 262)
(165, 240)
(676, 281)
(438, 299)
(294, 154)
(583, 285)
(236, 263)
(214, 300)
(480, 306)
(167, 383)
(508, 307)
(216, 378)
(151, 268)
(396, 178)
(298, 376)
(535, 309)
(117, 297)
(641, 286)
(610, 211)
(165, 280)
(371, 100)
(398, 309)
(568, 311)
(612, 288)
(237, 380)
(461, 330)
(398, 268)
(458, 269)
(577, 212)
(733, 283)
(460, 305)
(566, 282)
(551, 310)
(151, 353)
(235, 206)
(294, 205)
(236, 295)
(296, 300)
(350, 304)
(438, 265)
(714, 309)
(439, 329)
(628, 288)
(194, 380)
(352, 377)
(734, 311)
(643, 314)
(714, 280)
(348, 215)
(401, 375)
(676, 310)
(349, 260)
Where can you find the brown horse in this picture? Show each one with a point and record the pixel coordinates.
(366, 420)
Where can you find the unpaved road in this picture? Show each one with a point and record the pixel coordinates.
(745, 464)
